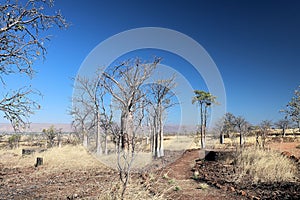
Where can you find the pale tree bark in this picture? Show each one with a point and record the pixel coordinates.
(124, 84)
(98, 135)
(87, 108)
(160, 99)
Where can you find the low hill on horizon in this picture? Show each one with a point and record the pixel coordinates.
(37, 127)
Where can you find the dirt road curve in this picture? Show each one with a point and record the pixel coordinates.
(181, 171)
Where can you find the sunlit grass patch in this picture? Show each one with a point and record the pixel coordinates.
(266, 166)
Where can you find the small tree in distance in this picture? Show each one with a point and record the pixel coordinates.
(282, 124)
(265, 127)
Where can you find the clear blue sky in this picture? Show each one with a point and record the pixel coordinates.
(255, 45)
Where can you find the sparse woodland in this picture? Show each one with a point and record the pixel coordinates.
(119, 148)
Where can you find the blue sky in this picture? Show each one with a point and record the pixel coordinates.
(255, 45)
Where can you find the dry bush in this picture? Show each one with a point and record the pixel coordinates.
(265, 166)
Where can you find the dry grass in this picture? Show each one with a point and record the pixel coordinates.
(266, 166)
(66, 157)
(180, 142)
(141, 160)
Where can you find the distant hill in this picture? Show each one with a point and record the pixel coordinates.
(36, 127)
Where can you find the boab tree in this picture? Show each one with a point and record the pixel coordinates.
(242, 127)
(265, 127)
(283, 124)
(204, 100)
(124, 84)
(85, 108)
(160, 99)
(23, 26)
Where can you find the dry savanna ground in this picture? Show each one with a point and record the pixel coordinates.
(70, 172)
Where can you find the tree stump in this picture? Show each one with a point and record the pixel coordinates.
(27, 151)
(39, 161)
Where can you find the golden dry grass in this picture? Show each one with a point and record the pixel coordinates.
(180, 142)
(141, 160)
(266, 166)
(66, 157)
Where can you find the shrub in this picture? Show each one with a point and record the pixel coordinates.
(265, 166)
(13, 141)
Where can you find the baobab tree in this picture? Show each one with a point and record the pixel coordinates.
(160, 99)
(23, 26)
(219, 129)
(124, 83)
(204, 100)
(88, 104)
(265, 127)
(242, 127)
(283, 124)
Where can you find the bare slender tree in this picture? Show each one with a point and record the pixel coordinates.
(86, 106)
(160, 100)
(23, 26)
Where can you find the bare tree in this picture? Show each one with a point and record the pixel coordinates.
(219, 129)
(22, 30)
(265, 127)
(160, 99)
(18, 105)
(283, 124)
(83, 120)
(242, 127)
(124, 84)
(86, 106)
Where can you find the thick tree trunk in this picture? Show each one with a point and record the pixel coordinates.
(161, 143)
(161, 132)
(98, 136)
(105, 145)
(123, 130)
(85, 140)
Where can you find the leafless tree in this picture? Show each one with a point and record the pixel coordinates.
(23, 26)
(124, 83)
(265, 127)
(242, 127)
(160, 99)
(283, 124)
(86, 106)
(219, 129)
(83, 120)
